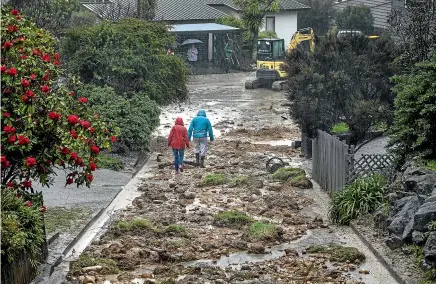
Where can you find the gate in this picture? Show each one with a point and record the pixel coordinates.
(371, 163)
(330, 161)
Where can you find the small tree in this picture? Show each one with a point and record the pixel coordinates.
(44, 126)
(414, 129)
(253, 13)
(356, 18)
(319, 17)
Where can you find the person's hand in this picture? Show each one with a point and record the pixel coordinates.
(187, 145)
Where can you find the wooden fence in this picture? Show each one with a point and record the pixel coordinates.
(330, 161)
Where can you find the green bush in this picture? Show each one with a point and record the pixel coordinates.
(133, 225)
(22, 227)
(128, 55)
(285, 174)
(340, 128)
(137, 116)
(214, 179)
(263, 231)
(268, 34)
(360, 197)
(233, 218)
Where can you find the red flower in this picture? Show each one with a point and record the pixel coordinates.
(61, 163)
(54, 115)
(24, 57)
(74, 134)
(46, 57)
(85, 124)
(21, 38)
(43, 209)
(92, 166)
(56, 63)
(24, 98)
(30, 162)
(7, 45)
(83, 100)
(12, 29)
(113, 139)
(10, 184)
(46, 76)
(25, 83)
(4, 68)
(71, 93)
(18, 18)
(95, 149)
(4, 162)
(91, 129)
(89, 177)
(36, 51)
(57, 56)
(27, 183)
(65, 150)
(15, 12)
(23, 140)
(33, 77)
(79, 162)
(69, 180)
(73, 119)
(12, 139)
(12, 72)
(30, 94)
(6, 114)
(28, 203)
(74, 156)
(8, 129)
(45, 88)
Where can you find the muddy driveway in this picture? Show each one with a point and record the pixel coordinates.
(232, 222)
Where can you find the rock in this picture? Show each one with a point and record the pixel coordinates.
(256, 248)
(418, 238)
(138, 202)
(394, 242)
(419, 180)
(92, 268)
(430, 199)
(407, 233)
(430, 248)
(180, 189)
(425, 214)
(88, 279)
(364, 271)
(188, 195)
(291, 252)
(197, 176)
(147, 275)
(245, 267)
(172, 184)
(403, 217)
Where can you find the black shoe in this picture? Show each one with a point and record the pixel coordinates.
(202, 162)
(197, 160)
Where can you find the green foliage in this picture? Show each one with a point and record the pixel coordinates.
(83, 18)
(432, 226)
(356, 18)
(319, 16)
(22, 227)
(240, 181)
(414, 130)
(285, 174)
(361, 197)
(214, 179)
(86, 260)
(263, 231)
(109, 162)
(52, 15)
(130, 56)
(177, 230)
(60, 219)
(418, 253)
(431, 165)
(230, 21)
(43, 125)
(268, 34)
(338, 253)
(137, 116)
(339, 128)
(342, 80)
(132, 225)
(233, 218)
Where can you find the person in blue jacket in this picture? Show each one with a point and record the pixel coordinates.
(199, 129)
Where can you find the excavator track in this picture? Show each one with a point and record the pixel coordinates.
(279, 85)
(252, 84)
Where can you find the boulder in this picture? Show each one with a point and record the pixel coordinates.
(430, 199)
(402, 218)
(418, 238)
(408, 230)
(394, 242)
(430, 248)
(425, 214)
(419, 180)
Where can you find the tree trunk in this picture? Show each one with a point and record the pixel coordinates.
(254, 48)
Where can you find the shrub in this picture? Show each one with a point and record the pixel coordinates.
(233, 218)
(268, 34)
(285, 174)
(130, 56)
(21, 226)
(362, 196)
(340, 128)
(132, 225)
(137, 116)
(214, 179)
(356, 18)
(43, 124)
(86, 260)
(263, 231)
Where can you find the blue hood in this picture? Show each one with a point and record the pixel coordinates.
(201, 113)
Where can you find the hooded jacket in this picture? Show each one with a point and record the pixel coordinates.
(200, 127)
(178, 137)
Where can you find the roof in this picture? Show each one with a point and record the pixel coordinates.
(179, 10)
(270, 38)
(283, 4)
(380, 9)
(209, 27)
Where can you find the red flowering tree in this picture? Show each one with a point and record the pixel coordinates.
(44, 126)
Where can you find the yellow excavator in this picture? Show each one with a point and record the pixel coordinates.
(270, 71)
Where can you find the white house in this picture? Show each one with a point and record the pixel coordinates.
(284, 22)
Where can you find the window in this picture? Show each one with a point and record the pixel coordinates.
(270, 24)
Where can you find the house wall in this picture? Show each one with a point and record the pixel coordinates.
(285, 24)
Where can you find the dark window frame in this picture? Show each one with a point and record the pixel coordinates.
(273, 23)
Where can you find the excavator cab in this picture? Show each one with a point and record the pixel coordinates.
(270, 49)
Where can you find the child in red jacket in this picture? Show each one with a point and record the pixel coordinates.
(177, 140)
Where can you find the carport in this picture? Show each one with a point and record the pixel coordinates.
(211, 53)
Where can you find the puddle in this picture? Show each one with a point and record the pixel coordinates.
(235, 260)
